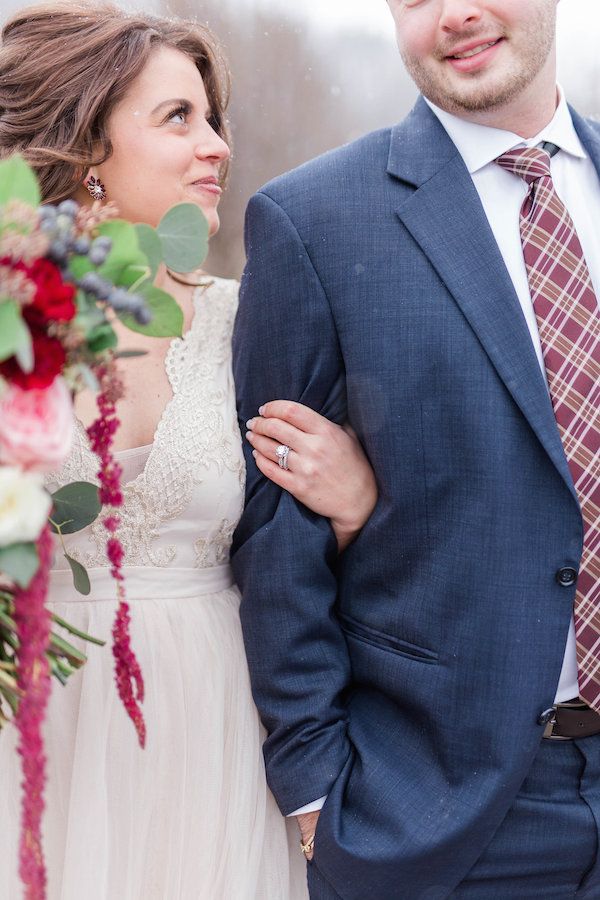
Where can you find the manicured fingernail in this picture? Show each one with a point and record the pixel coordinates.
(250, 423)
(261, 410)
(254, 453)
(248, 435)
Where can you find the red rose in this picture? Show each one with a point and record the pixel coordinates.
(49, 360)
(54, 299)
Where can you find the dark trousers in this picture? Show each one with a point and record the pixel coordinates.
(547, 846)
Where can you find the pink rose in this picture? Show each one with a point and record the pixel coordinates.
(36, 426)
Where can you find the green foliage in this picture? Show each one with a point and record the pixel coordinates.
(183, 232)
(19, 562)
(14, 334)
(81, 579)
(150, 245)
(167, 316)
(76, 506)
(102, 337)
(125, 251)
(18, 182)
(80, 266)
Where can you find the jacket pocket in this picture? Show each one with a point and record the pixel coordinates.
(354, 629)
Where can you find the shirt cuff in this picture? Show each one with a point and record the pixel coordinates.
(310, 807)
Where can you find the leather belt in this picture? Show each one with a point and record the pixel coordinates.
(573, 719)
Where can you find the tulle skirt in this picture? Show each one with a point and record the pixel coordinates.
(188, 818)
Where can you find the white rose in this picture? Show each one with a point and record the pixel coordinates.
(24, 505)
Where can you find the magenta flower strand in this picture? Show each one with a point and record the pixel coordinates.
(128, 674)
(33, 625)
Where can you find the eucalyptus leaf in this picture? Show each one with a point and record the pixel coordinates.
(14, 334)
(135, 275)
(167, 316)
(76, 506)
(20, 562)
(18, 182)
(125, 250)
(81, 579)
(183, 232)
(151, 246)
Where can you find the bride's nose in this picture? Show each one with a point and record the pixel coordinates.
(211, 145)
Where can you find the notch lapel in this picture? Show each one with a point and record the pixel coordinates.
(445, 216)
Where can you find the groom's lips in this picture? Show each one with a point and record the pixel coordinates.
(474, 55)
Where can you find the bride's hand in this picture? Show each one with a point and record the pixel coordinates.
(327, 469)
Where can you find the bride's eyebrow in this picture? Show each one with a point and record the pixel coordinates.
(184, 104)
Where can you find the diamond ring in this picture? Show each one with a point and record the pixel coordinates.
(282, 455)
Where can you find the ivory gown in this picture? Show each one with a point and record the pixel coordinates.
(190, 817)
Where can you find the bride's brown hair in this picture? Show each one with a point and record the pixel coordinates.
(63, 68)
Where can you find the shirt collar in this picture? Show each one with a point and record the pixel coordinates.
(480, 145)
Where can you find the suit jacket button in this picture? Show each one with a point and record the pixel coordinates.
(546, 716)
(566, 576)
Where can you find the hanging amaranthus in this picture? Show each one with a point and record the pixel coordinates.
(33, 632)
(128, 674)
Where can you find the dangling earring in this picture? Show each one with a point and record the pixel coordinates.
(95, 188)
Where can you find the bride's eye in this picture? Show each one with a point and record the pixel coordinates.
(178, 116)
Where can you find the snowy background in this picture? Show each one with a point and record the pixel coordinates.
(313, 75)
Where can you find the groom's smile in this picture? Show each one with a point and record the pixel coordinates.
(479, 58)
(473, 56)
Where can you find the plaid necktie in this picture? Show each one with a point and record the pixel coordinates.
(568, 320)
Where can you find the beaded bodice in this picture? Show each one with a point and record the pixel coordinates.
(182, 504)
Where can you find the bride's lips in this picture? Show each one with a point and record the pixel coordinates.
(475, 55)
(209, 185)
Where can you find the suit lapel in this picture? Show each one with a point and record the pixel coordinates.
(445, 216)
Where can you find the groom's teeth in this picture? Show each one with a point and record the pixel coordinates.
(474, 52)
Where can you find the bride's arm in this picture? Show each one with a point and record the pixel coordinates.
(327, 468)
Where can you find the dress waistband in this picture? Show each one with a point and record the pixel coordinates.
(142, 583)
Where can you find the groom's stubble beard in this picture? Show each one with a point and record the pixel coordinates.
(484, 91)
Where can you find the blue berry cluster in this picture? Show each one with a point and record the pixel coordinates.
(58, 223)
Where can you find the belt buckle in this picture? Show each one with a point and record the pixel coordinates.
(548, 730)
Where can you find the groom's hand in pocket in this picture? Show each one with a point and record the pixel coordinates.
(307, 823)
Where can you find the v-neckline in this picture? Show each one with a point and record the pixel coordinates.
(175, 342)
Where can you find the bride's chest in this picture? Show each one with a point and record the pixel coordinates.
(183, 477)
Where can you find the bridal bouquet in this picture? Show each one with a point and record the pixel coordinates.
(66, 274)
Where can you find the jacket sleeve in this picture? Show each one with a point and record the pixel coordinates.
(284, 557)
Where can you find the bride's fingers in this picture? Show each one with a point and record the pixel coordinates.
(267, 447)
(277, 430)
(272, 471)
(295, 414)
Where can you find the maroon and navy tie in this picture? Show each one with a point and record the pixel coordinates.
(568, 320)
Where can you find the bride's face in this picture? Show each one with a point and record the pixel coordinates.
(165, 150)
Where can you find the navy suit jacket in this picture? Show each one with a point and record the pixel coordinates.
(404, 679)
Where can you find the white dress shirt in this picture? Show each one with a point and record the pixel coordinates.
(502, 194)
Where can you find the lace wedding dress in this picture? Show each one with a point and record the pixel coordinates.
(189, 817)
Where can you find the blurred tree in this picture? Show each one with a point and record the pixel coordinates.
(296, 93)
